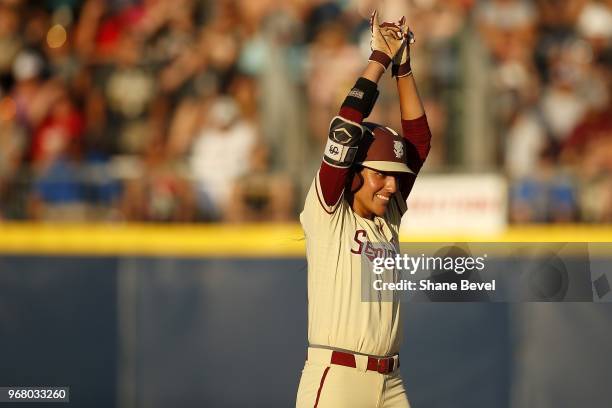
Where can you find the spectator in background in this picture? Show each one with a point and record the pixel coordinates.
(129, 78)
(546, 196)
(508, 27)
(55, 154)
(159, 190)
(438, 62)
(59, 132)
(12, 148)
(331, 64)
(220, 154)
(588, 151)
(129, 88)
(10, 42)
(564, 102)
(260, 195)
(538, 122)
(594, 24)
(13, 134)
(525, 138)
(273, 62)
(180, 53)
(58, 48)
(31, 97)
(558, 16)
(596, 125)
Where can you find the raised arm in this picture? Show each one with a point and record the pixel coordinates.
(414, 121)
(345, 131)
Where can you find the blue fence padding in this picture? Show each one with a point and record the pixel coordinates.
(232, 333)
(58, 326)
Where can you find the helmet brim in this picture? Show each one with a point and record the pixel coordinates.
(387, 166)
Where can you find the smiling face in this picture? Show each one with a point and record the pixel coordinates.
(374, 195)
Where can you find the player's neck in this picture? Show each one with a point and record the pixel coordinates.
(359, 208)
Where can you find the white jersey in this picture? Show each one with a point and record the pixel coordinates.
(336, 240)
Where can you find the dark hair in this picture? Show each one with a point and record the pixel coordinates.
(354, 179)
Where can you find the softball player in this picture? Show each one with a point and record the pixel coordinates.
(354, 207)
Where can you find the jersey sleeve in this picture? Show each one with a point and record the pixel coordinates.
(317, 218)
(417, 135)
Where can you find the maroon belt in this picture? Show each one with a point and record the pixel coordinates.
(381, 365)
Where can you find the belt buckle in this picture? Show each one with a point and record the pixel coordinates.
(382, 366)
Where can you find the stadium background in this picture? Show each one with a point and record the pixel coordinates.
(154, 156)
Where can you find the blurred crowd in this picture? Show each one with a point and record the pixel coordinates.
(217, 110)
(552, 83)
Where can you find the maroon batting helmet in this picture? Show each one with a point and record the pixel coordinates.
(383, 149)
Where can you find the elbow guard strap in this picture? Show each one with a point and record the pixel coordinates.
(343, 141)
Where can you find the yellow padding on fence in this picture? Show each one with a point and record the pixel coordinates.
(153, 239)
(262, 240)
